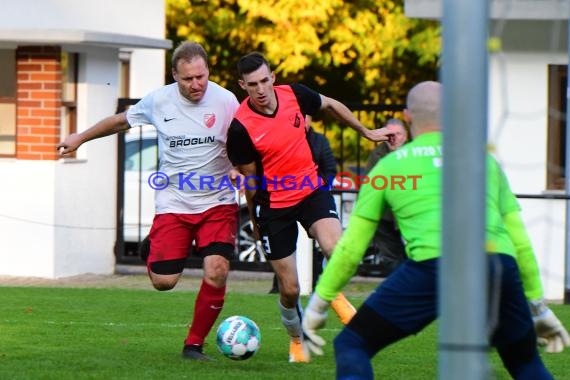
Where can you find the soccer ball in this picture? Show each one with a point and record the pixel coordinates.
(238, 338)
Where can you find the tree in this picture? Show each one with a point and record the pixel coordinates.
(358, 51)
(363, 51)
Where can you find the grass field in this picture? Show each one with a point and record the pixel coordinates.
(119, 333)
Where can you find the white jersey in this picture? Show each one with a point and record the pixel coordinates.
(191, 146)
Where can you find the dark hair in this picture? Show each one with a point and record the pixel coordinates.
(251, 62)
(188, 50)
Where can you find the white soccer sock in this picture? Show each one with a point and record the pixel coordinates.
(291, 320)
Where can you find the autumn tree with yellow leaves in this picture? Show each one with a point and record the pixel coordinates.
(364, 51)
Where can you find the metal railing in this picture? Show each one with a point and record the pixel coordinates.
(350, 159)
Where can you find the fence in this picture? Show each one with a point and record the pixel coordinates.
(135, 204)
(138, 154)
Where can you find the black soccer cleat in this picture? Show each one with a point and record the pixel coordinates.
(144, 249)
(195, 352)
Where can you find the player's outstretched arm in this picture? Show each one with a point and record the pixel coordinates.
(107, 126)
(339, 270)
(550, 331)
(526, 259)
(341, 112)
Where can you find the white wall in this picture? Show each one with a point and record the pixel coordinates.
(545, 220)
(533, 35)
(136, 17)
(26, 218)
(518, 116)
(518, 135)
(144, 18)
(57, 218)
(85, 190)
(145, 66)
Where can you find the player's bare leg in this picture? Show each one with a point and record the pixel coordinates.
(327, 232)
(289, 290)
(209, 301)
(164, 281)
(159, 281)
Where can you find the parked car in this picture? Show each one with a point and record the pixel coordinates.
(141, 160)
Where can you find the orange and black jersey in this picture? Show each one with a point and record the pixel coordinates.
(278, 144)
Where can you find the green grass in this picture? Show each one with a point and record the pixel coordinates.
(111, 333)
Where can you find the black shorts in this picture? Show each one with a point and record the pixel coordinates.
(278, 226)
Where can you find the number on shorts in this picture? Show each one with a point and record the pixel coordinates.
(265, 242)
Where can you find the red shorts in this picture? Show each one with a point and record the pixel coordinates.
(213, 231)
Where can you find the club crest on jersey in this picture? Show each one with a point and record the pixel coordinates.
(209, 120)
(296, 120)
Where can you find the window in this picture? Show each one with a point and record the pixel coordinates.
(556, 148)
(69, 77)
(7, 102)
(125, 73)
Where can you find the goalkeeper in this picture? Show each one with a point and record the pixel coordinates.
(407, 300)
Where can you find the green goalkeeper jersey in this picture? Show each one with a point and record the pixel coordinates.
(408, 181)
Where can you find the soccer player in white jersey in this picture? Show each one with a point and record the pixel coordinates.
(192, 117)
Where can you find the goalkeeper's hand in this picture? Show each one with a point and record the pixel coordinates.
(549, 330)
(314, 318)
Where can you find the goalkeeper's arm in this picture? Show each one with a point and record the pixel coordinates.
(550, 331)
(340, 268)
(526, 259)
